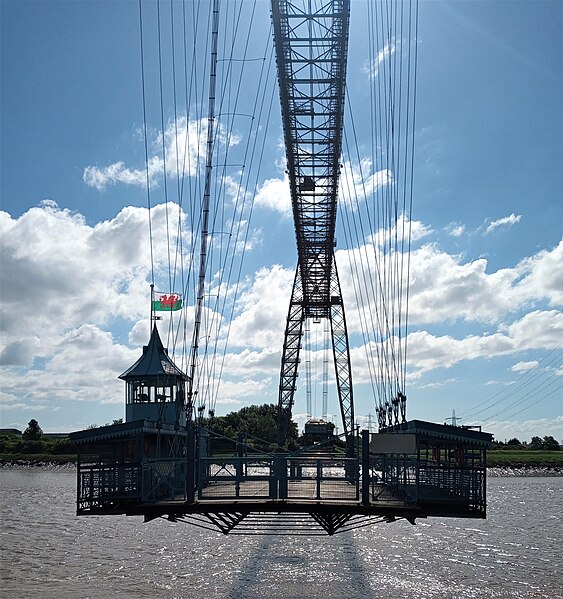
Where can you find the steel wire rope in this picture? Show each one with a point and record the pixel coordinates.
(392, 214)
(535, 403)
(379, 237)
(394, 252)
(184, 282)
(223, 258)
(177, 253)
(245, 186)
(206, 367)
(205, 205)
(163, 148)
(239, 227)
(401, 176)
(542, 386)
(230, 236)
(516, 386)
(193, 170)
(376, 162)
(354, 255)
(362, 244)
(212, 363)
(522, 377)
(165, 174)
(383, 307)
(198, 191)
(196, 170)
(145, 139)
(392, 288)
(396, 112)
(411, 182)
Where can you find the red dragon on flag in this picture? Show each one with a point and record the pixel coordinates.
(168, 302)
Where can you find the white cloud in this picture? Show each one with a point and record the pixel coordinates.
(275, 195)
(80, 278)
(445, 289)
(524, 366)
(400, 232)
(262, 309)
(455, 229)
(358, 182)
(117, 172)
(507, 220)
(183, 143)
(536, 330)
(372, 68)
(23, 406)
(61, 282)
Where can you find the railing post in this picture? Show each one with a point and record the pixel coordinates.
(273, 490)
(365, 467)
(190, 474)
(238, 476)
(281, 474)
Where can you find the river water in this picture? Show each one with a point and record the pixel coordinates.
(47, 552)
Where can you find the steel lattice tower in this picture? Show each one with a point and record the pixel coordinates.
(311, 42)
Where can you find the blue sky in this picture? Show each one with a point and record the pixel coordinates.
(487, 319)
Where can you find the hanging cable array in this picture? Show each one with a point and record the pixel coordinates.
(376, 202)
(208, 154)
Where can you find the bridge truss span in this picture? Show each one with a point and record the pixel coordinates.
(311, 42)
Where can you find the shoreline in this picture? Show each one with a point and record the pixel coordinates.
(509, 472)
(492, 472)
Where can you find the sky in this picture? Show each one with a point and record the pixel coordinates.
(486, 320)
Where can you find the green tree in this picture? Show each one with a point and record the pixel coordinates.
(258, 422)
(514, 441)
(550, 443)
(33, 431)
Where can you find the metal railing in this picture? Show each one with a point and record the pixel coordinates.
(278, 477)
(102, 485)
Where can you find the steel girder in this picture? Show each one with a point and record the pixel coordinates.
(342, 365)
(290, 358)
(297, 313)
(311, 42)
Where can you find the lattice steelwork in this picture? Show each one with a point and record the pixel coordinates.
(311, 40)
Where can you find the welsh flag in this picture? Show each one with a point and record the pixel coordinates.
(167, 302)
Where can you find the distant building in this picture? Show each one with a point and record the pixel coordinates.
(317, 431)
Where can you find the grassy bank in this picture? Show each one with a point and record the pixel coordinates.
(495, 459)
(37, 458)
(524, 458)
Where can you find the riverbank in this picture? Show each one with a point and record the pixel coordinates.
(69, 464)
(533, 471)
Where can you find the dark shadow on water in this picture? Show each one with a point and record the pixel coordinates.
(287, 567)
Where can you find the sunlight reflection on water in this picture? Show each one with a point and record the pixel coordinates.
(48, 552)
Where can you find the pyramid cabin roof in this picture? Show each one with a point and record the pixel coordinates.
(154, 363)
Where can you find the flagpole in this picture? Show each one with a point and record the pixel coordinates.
(152, 308)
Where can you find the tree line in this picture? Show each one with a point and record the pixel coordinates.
(257, 424)
(547, 443)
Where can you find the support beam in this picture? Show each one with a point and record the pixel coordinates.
(311, 42)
